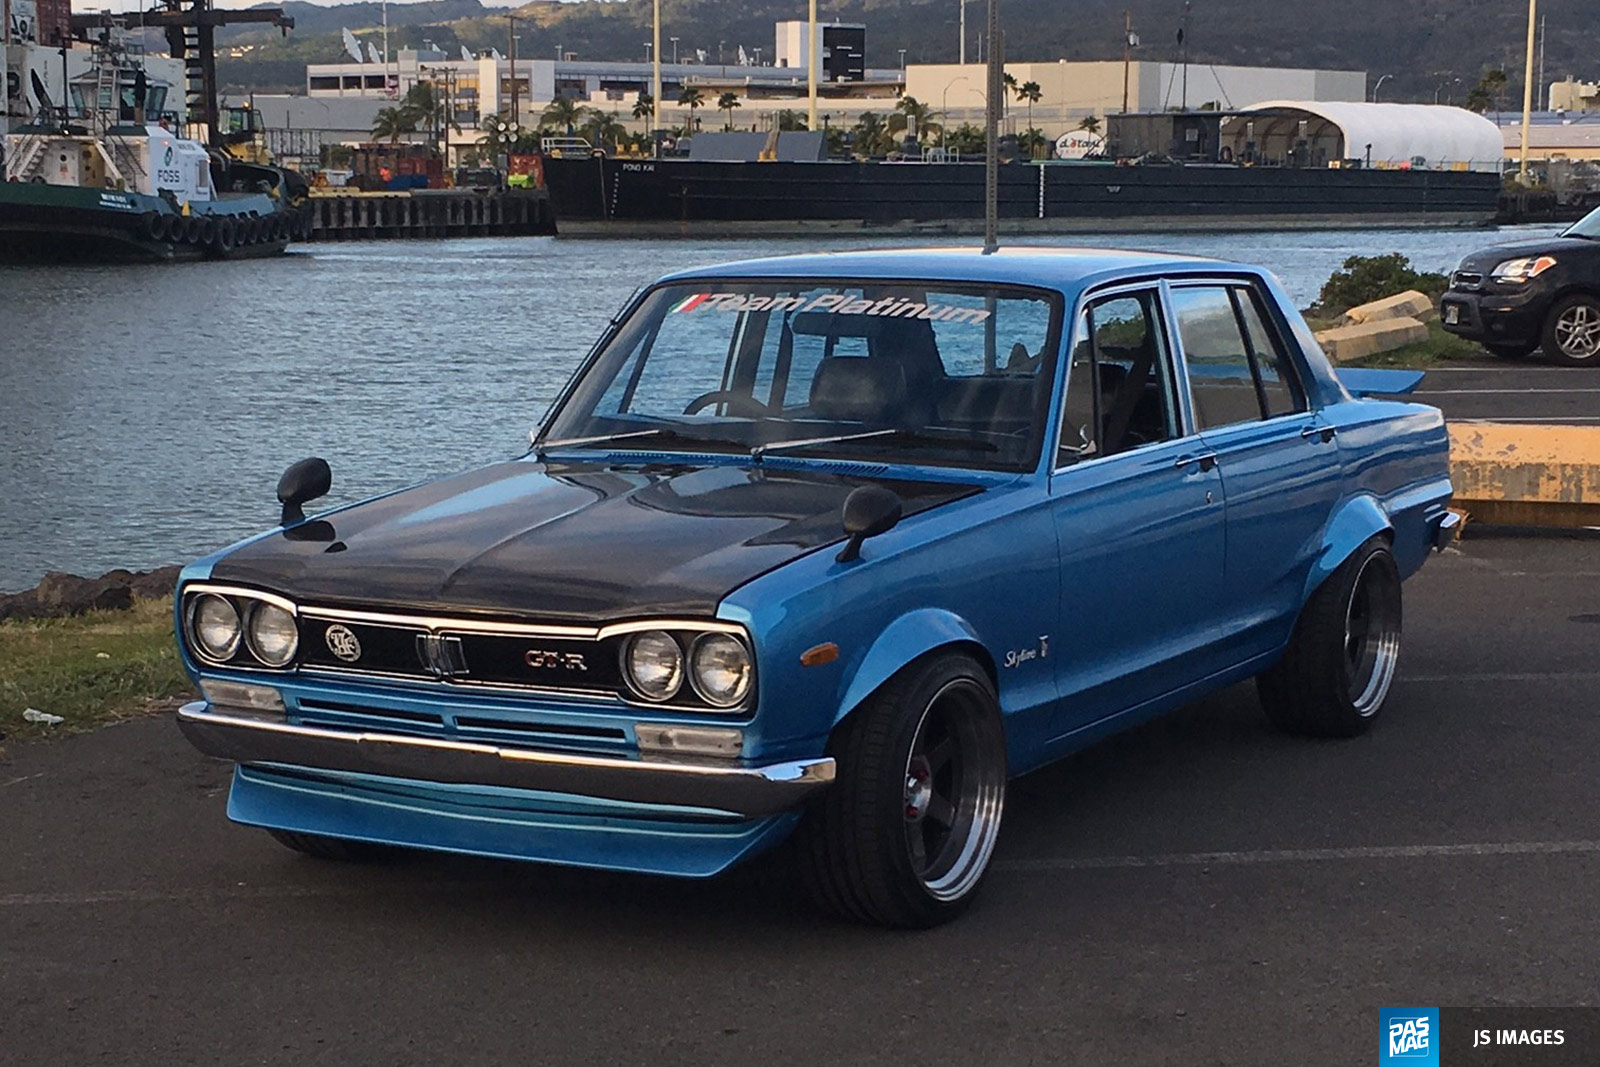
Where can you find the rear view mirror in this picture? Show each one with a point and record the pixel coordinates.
(302, 482)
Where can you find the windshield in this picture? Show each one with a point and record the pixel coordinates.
(1588, 226)
(907, 372)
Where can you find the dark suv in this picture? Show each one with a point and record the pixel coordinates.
(1531, 294)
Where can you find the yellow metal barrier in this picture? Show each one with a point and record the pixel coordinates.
(1527, 475)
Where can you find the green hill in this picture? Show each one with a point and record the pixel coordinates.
(1424, 44)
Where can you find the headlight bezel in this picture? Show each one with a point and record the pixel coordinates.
(242, 653)
(701, 690)
(259, 610)
(1522, 269)
(630, 677)
(687, 635)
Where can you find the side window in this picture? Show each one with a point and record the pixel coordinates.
(1119, 393)
(1280, 386)
(1220, 377)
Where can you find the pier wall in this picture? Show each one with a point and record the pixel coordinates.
(357, 216)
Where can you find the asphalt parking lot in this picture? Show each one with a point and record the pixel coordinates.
(1198, 891)
(1526, 390)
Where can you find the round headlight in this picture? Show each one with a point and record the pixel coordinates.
(719, 669)
(273, 636)
(654, 665)
(215, 627)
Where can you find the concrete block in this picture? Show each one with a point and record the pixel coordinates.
(1345, 343)
(1408, 305)
(1527, 475)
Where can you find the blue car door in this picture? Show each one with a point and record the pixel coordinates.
(1278, 459)
(1138, 509)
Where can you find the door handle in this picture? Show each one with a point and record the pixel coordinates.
(1323, 433)
(1206, 461)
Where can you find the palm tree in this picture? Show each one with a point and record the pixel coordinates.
(1009, 80)
(871, 134)
(500, 134)
(602, 128)
(645, 108)
(909, 110)
(1030, 92)
(690, 98)
(392, 122)
(562, 112)
(790, 120)
(727, 102)
(1089, 124)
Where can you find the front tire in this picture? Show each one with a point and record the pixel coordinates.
(330, 848)
(1341, 661)
(904, 836)
(1516, 351)
(1572, 331)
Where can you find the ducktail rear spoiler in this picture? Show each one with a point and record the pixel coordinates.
(1367, 381)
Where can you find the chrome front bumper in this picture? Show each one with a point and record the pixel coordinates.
(746, 792)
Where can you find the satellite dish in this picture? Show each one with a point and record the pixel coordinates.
(351, 45)
(465, 54)
(372, 53)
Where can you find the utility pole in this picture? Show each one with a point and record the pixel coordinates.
(1527, 91)
(813, 58)
(655, 80)
(963, 4)
(511, 32)
(1183, 43)
(991, 122)
(1127, 55)
(1544, 93)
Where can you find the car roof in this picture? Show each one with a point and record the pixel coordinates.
(1066, 269)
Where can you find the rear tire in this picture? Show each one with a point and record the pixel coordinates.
(904, 836)
(331, 848)
(1572, 331)
(1341, 661)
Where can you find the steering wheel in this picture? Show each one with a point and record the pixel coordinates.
(741, 404)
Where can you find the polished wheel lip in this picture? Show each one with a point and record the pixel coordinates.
(1371, 653)
(1577, 332)
(972, 761)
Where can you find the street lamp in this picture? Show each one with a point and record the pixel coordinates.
(647, 51)
(944, 104)
(902, 63)
(1375, 88)
(674, 41)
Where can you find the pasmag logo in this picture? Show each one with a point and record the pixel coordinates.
(1409, 1036)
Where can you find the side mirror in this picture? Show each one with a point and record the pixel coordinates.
(303, 481)
(869, 510)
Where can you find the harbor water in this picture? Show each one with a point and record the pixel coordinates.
(147, 411)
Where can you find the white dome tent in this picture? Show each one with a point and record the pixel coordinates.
(1319, 133)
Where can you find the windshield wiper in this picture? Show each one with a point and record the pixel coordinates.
(964, 442)
(656, 433)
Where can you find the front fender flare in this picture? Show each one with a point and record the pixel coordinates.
(913, 634)
(1357, 521)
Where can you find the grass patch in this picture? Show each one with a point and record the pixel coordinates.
(1440, 347)
(92, 670)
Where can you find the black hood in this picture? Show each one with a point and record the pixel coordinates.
(563, 541)
(1485, 260)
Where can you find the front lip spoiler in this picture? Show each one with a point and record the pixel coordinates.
(745, 792)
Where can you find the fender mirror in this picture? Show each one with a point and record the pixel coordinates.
(303, 481)
(868, 511)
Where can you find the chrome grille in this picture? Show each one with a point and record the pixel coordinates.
(1466, 279)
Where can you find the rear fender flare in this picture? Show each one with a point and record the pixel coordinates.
(1356, 522)
(904, 640)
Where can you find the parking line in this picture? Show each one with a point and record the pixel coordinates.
(1496, 392)
(1301, 855)
(1549, 420)
(193, 894)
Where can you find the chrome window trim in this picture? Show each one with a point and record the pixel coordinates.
(1285, 339)
(1184, 412)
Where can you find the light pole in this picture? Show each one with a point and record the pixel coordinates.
(944, 104)
(902, 64)
(1379, 86)
(1527, 91)
(674, 41)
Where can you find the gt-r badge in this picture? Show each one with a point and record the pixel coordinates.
(1022, 655)
(342, 643)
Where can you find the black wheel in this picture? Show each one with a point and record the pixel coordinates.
(1341, 660)
(331, 848)
(1516, 351)
(1572, 331)
(904, 835)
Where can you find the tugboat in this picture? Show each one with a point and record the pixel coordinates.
(109, 185)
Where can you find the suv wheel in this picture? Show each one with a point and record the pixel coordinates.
(1572, 331)
(331, 848)
(904, 836)
(1341, 661)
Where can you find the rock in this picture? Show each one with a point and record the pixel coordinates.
(59, 593)
(23, 605)
(153, 585)
(1408, 305)
(1344, 343)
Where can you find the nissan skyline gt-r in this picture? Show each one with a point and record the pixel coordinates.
(825, 549)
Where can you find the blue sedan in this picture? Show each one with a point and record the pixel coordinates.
(825, 549)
